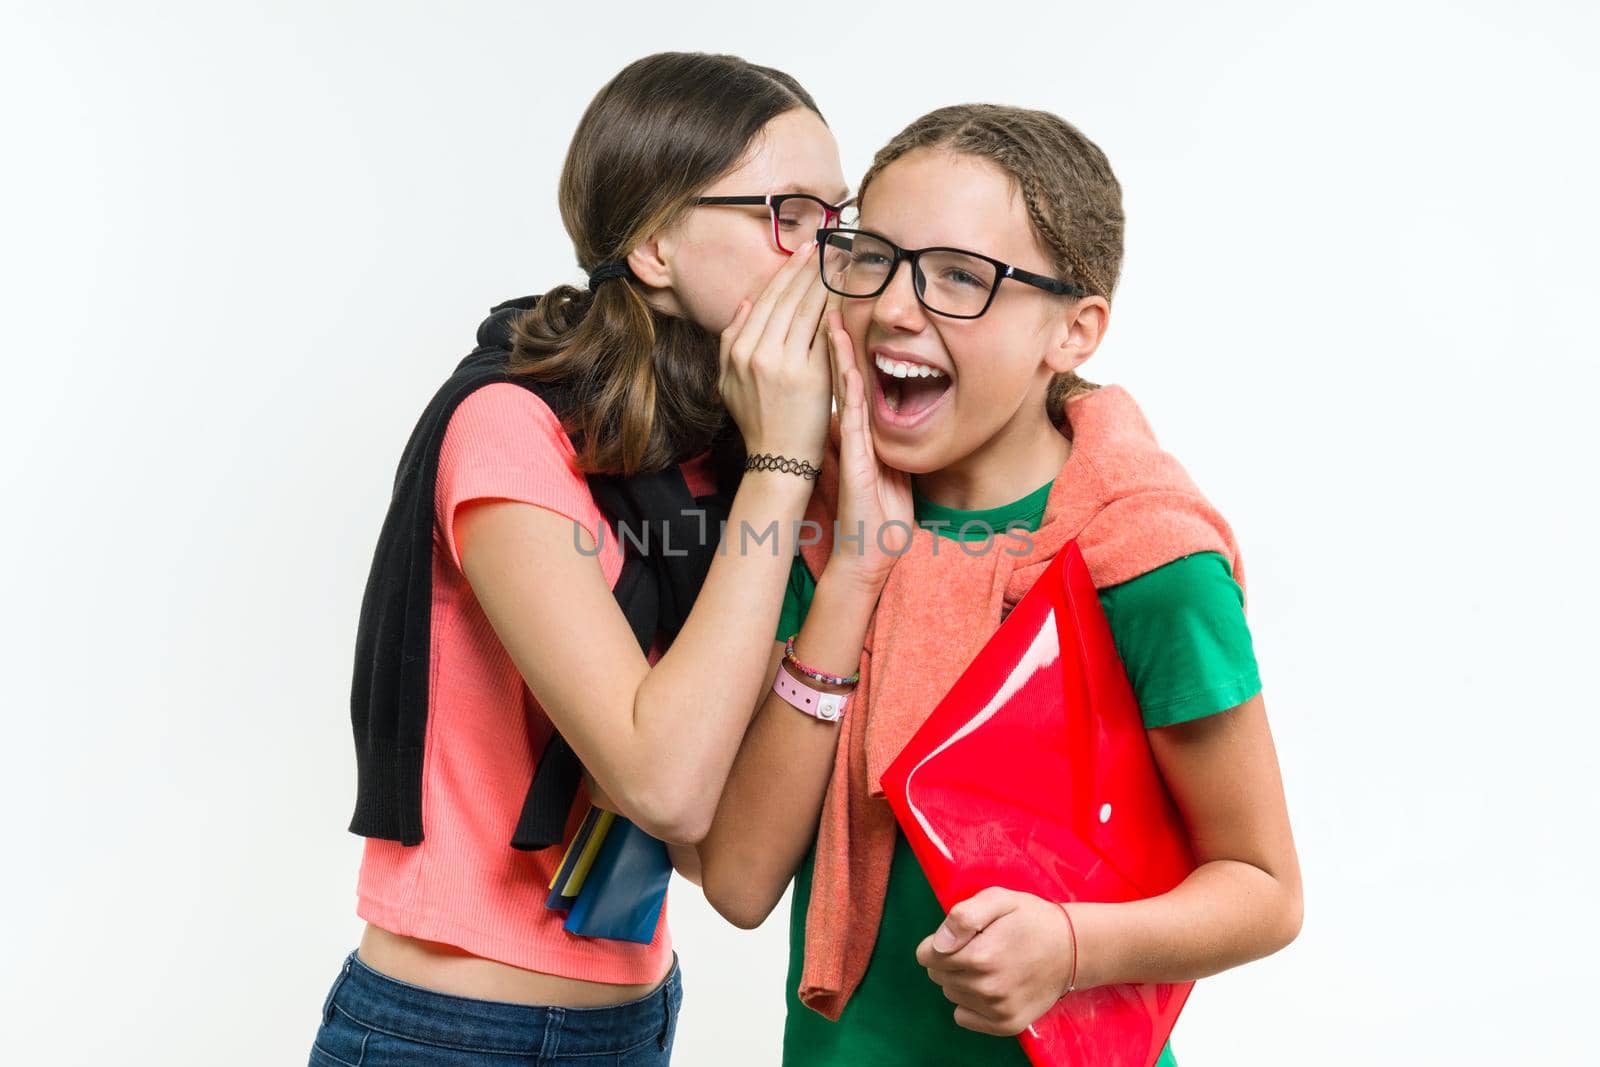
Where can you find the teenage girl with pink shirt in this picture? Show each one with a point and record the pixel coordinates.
(692, 191)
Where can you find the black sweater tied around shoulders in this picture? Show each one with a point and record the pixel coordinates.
(655, 590)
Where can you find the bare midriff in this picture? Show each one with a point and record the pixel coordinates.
(447, 969)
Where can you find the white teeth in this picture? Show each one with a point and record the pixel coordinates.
(901, 369)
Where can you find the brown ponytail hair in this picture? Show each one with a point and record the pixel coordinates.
(1073, 199)
(644, 384)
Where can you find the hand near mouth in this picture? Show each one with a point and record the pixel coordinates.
(771, 377)
(874, 498)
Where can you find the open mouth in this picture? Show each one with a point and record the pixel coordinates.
(909, 390)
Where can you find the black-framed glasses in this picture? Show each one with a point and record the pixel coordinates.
(796, 217)
(948, 281)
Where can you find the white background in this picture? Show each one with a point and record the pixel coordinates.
(243, 242)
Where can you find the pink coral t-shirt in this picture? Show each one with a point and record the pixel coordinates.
(464, 885)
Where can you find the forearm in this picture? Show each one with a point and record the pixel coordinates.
(1225, 913)
(691, 708)
(769, 812)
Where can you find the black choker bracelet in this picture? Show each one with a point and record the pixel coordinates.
(767, 461)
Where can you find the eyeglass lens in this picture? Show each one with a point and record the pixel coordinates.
(797, 219)
(954, 283)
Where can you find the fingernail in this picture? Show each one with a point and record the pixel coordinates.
(944, 940)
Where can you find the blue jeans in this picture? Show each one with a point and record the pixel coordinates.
(372, 1020)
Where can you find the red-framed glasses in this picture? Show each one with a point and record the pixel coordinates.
(796, 217)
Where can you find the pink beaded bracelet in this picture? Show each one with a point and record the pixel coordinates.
(811, 672)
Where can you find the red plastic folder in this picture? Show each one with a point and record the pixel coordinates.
(1034, 774)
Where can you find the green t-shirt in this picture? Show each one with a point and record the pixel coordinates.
(1181, 633)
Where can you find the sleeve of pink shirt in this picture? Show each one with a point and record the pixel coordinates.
(504, 443)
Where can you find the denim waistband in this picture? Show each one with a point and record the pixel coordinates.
(391, 1006)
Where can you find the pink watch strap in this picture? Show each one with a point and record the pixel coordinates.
(829, 707)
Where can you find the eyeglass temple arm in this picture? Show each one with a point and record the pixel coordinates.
(1044, 282)
(770, 197)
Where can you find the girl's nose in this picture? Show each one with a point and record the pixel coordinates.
(897, 306)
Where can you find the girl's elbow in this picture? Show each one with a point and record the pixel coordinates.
(1292, 917)
(738, 903)
(674, 820)
(673, 827)
(1281, 918)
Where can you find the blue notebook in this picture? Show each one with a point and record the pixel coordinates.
(623, 892)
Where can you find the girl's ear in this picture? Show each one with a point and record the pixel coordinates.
(651, 261)
(1077, 334)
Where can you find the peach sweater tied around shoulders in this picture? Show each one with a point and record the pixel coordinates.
(1130, 506)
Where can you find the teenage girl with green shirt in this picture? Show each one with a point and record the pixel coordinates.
(967, 447)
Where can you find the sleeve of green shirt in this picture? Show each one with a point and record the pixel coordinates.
(1180, 630)
(796, 599)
